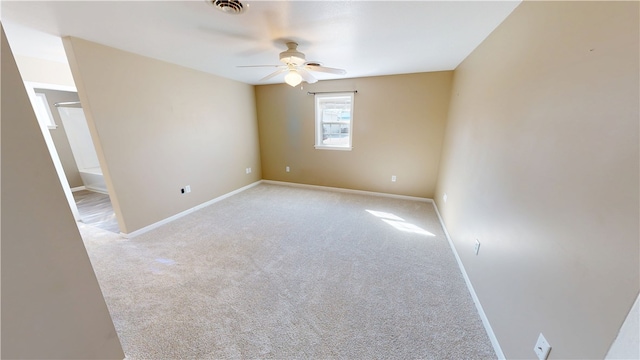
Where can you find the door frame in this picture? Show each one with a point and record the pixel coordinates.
(30, 86)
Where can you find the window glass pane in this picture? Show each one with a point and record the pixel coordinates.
(334, 113)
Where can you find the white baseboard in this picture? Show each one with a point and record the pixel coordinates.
(474, 296)
(97, 189)
(351, 191)
(78, 188)
(186, 212)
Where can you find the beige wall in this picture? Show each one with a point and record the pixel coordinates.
(398, 125)
(44, 71)
(59, 135)
(52, 306)
(540, 163)
(158, 127)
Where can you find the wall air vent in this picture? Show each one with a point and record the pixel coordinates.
(233, 7)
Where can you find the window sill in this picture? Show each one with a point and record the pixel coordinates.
(325, 147)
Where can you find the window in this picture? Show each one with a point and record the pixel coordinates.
(334, 120)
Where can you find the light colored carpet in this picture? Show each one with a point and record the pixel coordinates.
(290, 273)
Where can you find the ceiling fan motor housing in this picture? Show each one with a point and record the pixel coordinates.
(292, 55)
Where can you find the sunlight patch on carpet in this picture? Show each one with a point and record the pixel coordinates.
(399, 223)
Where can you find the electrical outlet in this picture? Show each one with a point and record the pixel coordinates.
(542, 348)
(288, 169)
(181, 190)
(444, 197)
(247, 170)
(393, 178)
(477, 247)
(187, 189)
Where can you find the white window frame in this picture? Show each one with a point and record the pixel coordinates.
(318, 121)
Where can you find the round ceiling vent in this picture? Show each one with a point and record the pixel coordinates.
(233, 7)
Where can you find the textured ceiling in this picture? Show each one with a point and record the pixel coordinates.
(367, 38)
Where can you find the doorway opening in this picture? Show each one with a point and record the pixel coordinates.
(67, 134)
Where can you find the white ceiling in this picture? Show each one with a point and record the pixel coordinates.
(367, 38)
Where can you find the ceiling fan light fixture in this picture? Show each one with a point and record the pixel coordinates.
(292, 55)
(295, 68)
(291, 59)
(293, 78)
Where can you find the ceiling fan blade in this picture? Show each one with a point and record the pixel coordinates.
(275, 73)
(248, 66)
(325, 69)
(306, 76)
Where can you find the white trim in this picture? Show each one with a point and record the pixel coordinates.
(39, 85)
(474, 296)
(97, 189)
(327, 147)
(78, 188)
(186, 212)
(360, 192)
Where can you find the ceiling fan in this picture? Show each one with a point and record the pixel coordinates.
(296, 67)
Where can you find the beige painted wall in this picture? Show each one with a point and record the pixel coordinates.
(44, 71)
(158, 127)
(540, 163)
(52, 306)
(59, 135)
(398, 125)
